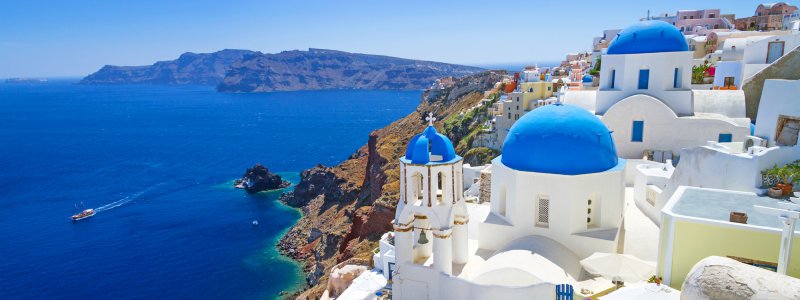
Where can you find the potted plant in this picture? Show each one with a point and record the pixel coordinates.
(787, 175)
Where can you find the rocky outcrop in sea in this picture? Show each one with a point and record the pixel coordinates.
(259, 178)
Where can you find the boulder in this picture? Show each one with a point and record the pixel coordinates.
(723, 278)
(258, 178)
(342, 277)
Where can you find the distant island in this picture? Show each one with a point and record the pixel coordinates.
(189, 68)
(244, 71)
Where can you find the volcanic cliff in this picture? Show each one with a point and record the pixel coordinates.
(244, 71)
(347, 207)
(189, 68)
(318, 69)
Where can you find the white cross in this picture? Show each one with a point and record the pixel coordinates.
(430, 118)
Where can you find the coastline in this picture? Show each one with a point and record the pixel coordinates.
(270, 250)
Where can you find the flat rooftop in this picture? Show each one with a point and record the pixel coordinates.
(713, 204)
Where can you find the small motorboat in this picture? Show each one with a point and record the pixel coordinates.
(83, 215)
(255, 223)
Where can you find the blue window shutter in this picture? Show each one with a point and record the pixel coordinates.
(644, 79)
(675, 82)
(638, 131)
(725, 137)
(613, 76)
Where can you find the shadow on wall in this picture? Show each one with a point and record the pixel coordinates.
(784, 68)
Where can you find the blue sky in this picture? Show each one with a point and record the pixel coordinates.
(76, 37)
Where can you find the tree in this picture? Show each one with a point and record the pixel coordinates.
(699, 73)
(595, 71)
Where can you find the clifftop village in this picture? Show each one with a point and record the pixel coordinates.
(663, 164)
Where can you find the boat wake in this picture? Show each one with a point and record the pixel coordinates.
(125, 200)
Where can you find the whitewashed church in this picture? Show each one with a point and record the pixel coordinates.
(646, 98)
(557, 197)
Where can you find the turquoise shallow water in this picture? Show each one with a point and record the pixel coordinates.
(159, 161)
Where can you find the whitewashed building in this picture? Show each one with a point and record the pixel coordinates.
(735, 165)
(645, 96)
(744, 57)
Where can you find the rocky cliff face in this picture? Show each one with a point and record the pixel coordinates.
(317, 69)
(189, 68)
(249, 71)
(347, 207)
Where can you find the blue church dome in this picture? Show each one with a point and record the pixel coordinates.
(559, 139)
(430, 146)
(648, 37)
(587, 78)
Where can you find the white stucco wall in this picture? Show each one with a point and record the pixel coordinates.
(751, 69)
(662, 70)
(708, 167)
(471, 173)
(727, 103)
(650, 177)
(779, 97)
(733, 48)
(756, 52)
(663, 130)
(728, 69)
(568, 207)
(582, 99)
(414, 282)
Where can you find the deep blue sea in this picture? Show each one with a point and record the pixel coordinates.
(158, 162)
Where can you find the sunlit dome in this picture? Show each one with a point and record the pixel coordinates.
(648, 37)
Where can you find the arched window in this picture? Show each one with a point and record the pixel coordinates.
(440, 188)
(417, 184)
(612, 79)
(676, 81)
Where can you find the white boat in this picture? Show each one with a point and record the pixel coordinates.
(83, 215)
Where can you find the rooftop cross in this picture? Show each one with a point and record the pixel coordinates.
(430, 118)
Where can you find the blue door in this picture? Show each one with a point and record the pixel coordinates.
(644, 79)
(391, 270)
(774, 51)
(564, 292)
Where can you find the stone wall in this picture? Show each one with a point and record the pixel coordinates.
(785, 67)
(488, 140)
(486, 185)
